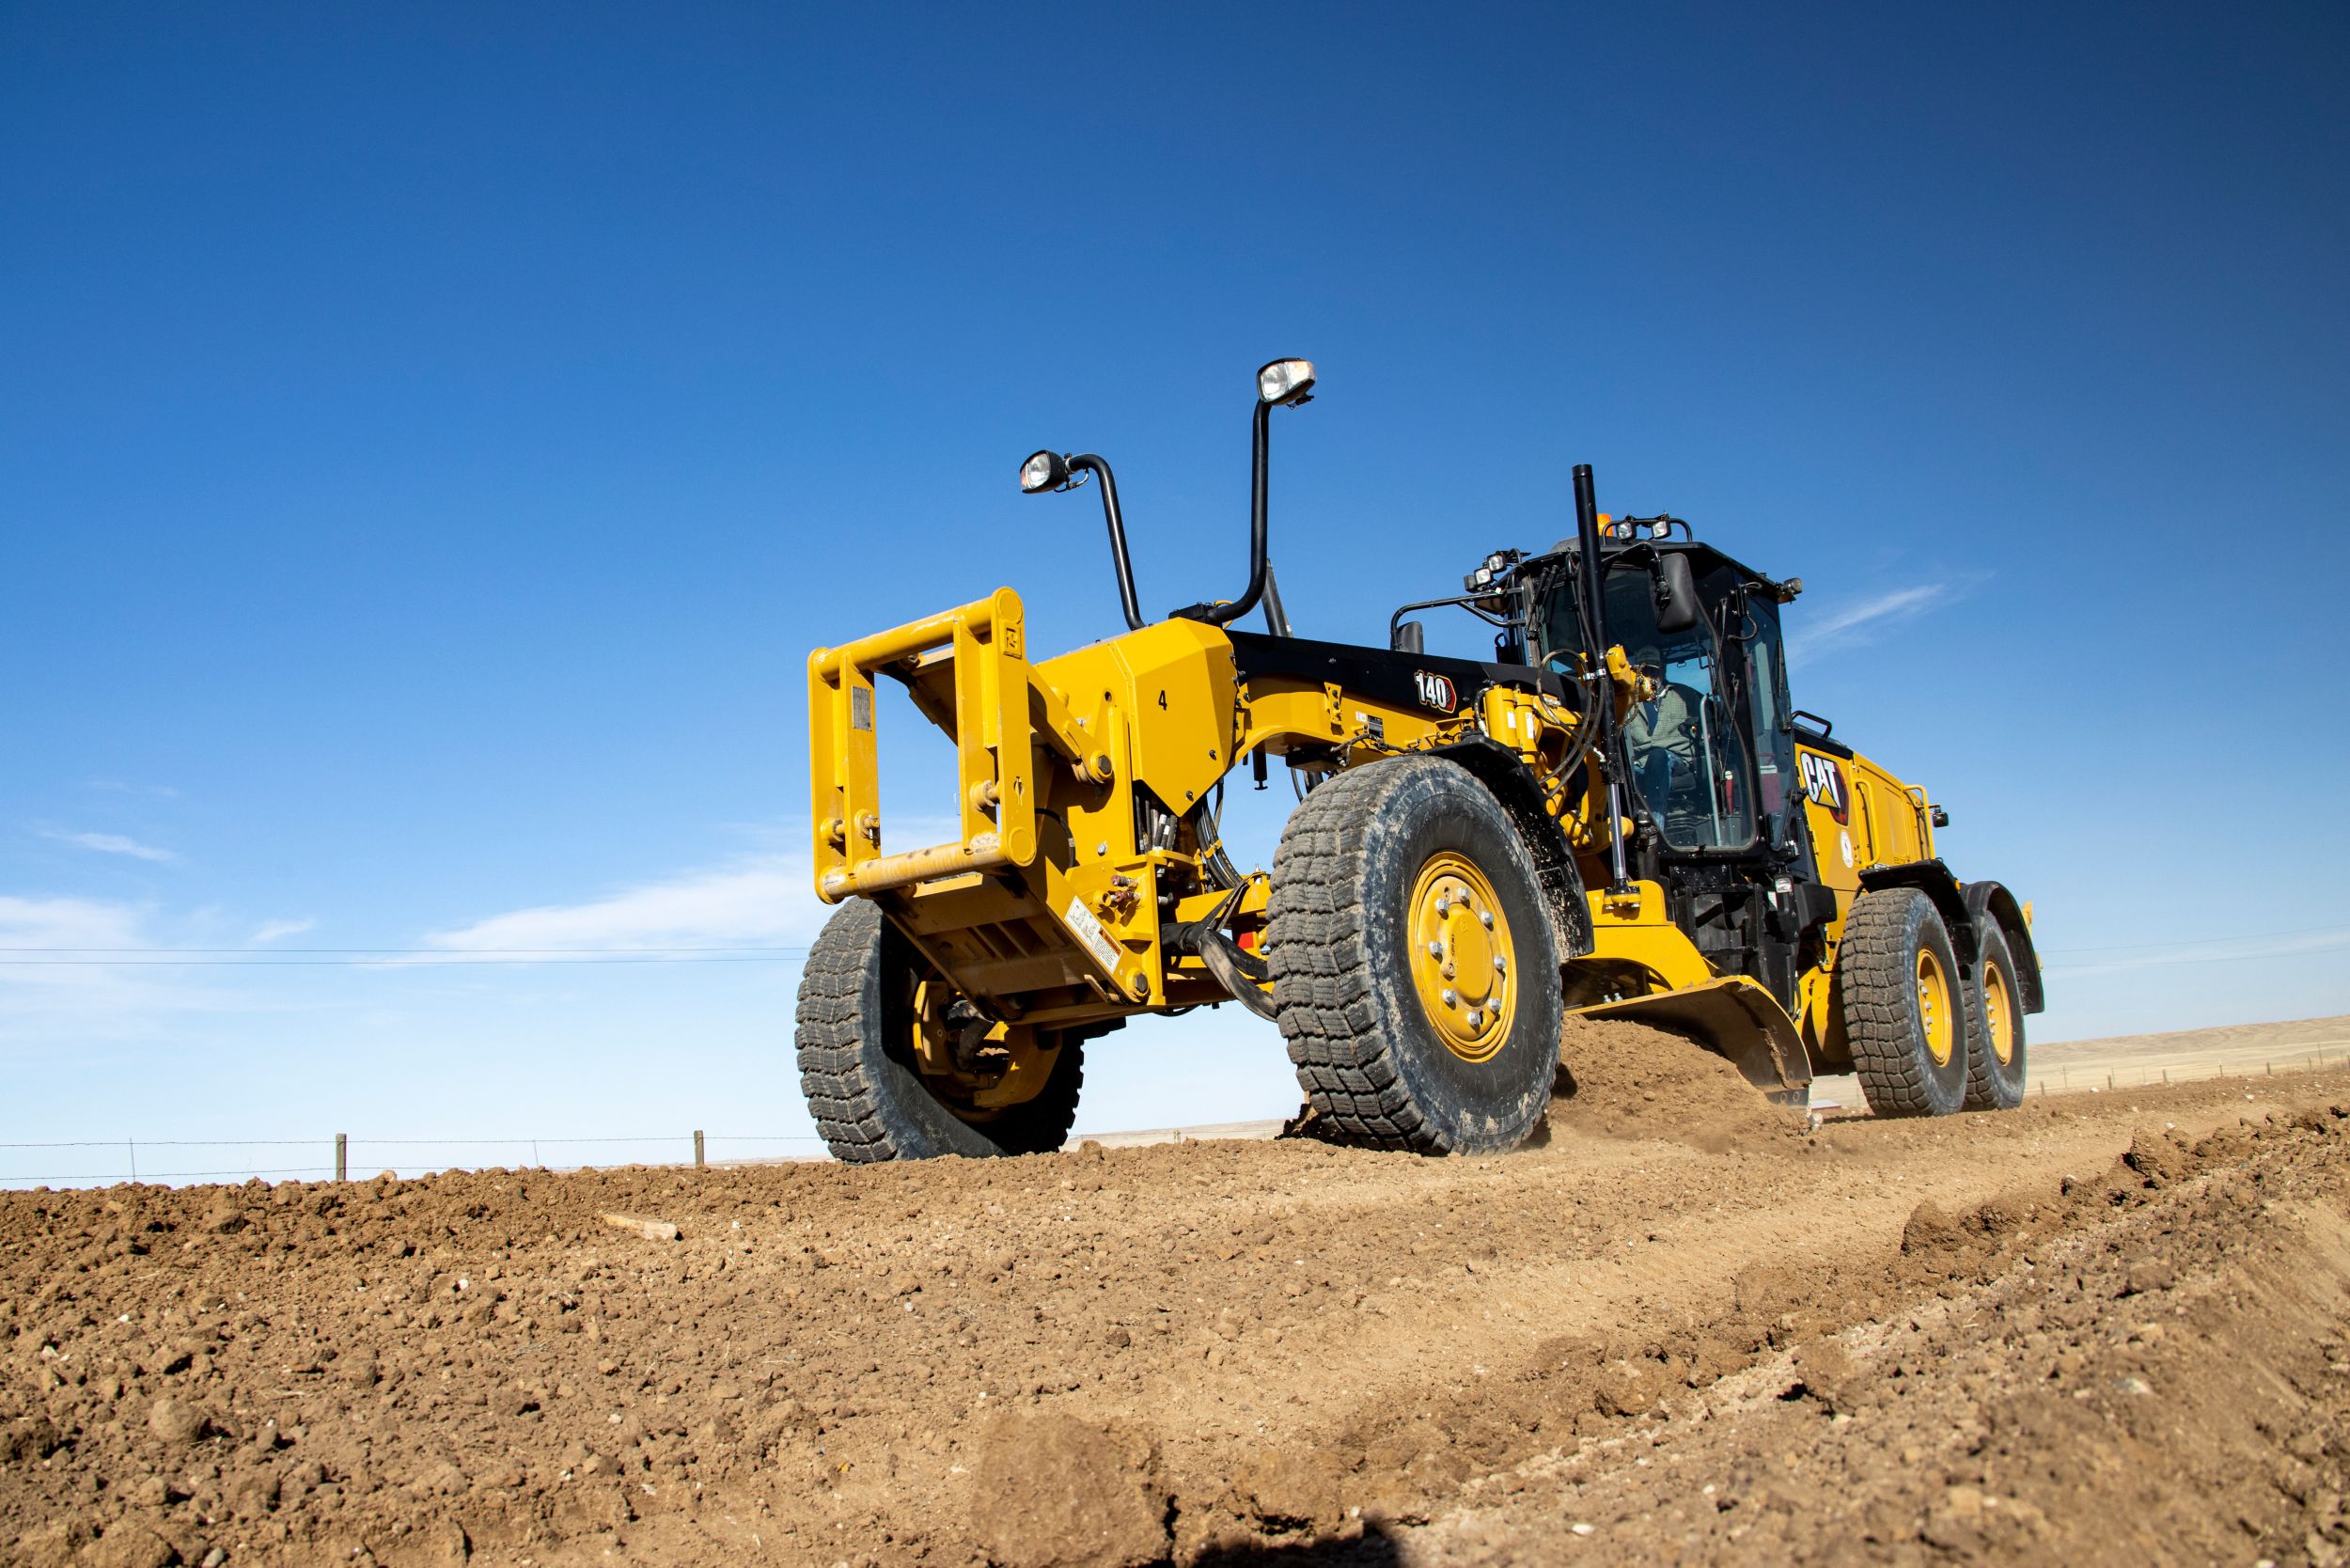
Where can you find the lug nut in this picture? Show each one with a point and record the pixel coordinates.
(1476, 1019)
(1451, 997)
(1486, 917)
(1448, 971)
(1436, 949)
(1502, 964)
(1443, 905)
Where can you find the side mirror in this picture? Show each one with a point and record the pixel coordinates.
(1410, 638)
(1677, 607)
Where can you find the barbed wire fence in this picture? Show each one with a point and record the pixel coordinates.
(341, 1153)
(105, 1161)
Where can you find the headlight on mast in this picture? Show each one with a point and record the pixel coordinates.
(1043, 471)
(1285, 381)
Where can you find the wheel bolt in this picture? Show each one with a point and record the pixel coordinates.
(1436, 949)
(1502, 964)
(1476, 1019)
(1448, 971)
(1443, 905)
(1451, 997)
(1486, 916)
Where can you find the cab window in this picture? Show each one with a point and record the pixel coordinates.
(1688, 753)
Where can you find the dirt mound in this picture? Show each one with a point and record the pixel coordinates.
(1211, 1351)
(1629, 1080)
(1054, 1492)
(2168, 1384)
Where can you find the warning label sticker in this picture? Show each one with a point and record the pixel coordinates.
(1080, 920)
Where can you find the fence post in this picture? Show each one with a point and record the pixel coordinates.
(697, 1148)
(342, 1157)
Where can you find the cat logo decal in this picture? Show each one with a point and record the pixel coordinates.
(1824, 784)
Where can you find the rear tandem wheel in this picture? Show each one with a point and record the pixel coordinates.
(1995, 1049)
(1903, 1004)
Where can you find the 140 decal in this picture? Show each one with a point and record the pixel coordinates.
(1435, 691)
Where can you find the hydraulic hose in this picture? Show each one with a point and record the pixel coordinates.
(1224, 962)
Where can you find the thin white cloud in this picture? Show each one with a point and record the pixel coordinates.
(2222, 949)
(275, 931)
(1808, 636)
(34, 925)
(117, 787)
(113, 844)
(764, 900)
(83, 970)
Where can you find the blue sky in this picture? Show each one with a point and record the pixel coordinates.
(433, 440)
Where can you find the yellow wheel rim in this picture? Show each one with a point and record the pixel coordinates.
(1009, 1067)
(1464, 965)
(1935, 1015)
(1996, 1018)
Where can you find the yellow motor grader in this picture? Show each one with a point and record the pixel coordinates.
(1621, 815)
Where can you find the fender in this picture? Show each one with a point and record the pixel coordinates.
(1989, 901)
(1933, 879)
(1500, 770)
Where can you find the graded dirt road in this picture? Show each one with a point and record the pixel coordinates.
(1686, 1327)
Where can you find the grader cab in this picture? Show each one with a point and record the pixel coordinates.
(1621, 815)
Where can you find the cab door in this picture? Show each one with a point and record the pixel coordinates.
(1688, 743)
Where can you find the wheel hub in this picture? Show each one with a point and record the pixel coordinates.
(1462, 956)
(1935, 1016)
(976, 1069)
(1996, 1017)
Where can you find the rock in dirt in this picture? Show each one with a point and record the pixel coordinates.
(177, 1422)
(128, 1544)
(30, 1438)
(1051, 1490)
(650, 1229)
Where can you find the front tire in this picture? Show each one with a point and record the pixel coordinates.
(858, 1017)
(1995, 1057)
(1903, 1014)
(1415, 968)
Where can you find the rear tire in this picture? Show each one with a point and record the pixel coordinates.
(1901, 989)
(1995, 1046)
(1381, 864)
(857, 1058)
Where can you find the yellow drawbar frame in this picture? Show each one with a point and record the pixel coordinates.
(1001, 709)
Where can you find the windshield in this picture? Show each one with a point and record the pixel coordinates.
(1685, 744)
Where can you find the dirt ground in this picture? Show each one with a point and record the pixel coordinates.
(1685, 1326)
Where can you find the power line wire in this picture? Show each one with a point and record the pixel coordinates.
(442, 953)
(2193, 941)
(443, 959)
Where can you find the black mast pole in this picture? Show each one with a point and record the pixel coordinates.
(1590, 572)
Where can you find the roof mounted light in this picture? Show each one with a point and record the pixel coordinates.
(1043, 471)
(1493, 569)
(1289, 382)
